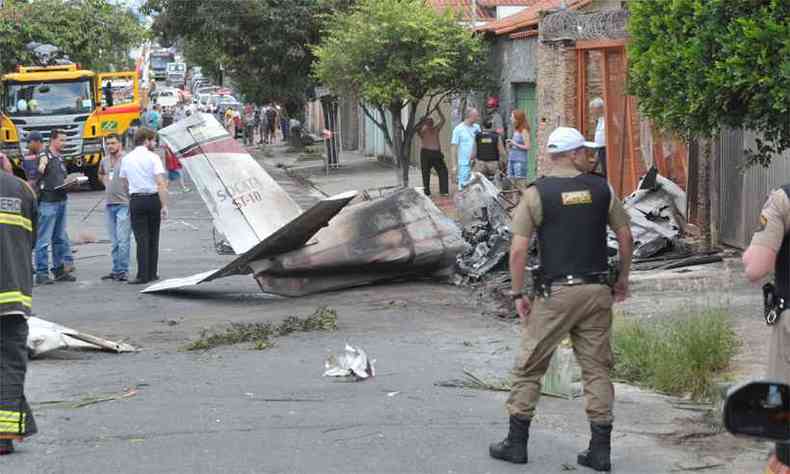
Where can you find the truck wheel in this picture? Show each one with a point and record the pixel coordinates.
(92, 172)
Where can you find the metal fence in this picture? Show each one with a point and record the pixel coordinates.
(743, 191)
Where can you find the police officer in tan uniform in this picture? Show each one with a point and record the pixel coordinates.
(569, 209)
(770, 252)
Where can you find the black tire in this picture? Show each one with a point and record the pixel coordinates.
(92, 172)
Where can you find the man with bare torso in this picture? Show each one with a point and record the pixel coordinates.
(431, 156)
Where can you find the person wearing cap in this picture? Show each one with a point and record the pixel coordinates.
(492, 114)
(569, 210)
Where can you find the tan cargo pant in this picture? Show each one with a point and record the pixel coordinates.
(585, 313)
(779, 352)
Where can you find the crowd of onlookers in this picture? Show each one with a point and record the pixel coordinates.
(266, 124)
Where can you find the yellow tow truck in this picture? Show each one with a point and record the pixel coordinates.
(86, 105)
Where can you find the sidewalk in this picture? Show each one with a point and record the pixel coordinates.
(356, 172)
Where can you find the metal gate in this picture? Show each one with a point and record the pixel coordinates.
(526, 100)
(744, 191)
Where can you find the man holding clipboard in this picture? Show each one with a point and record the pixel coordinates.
(52, 200)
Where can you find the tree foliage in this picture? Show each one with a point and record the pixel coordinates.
(263, 45)
(395, 54)
(95, 33)
(698, 65)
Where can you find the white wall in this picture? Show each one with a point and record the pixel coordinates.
(502, 12)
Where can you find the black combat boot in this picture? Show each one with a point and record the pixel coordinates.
(514, 447)
(598, 456)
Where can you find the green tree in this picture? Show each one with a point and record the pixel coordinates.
(700, 65)
(262, 44)
(94, 33)
(397, 54)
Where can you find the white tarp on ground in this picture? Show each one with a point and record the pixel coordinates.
(46, 336)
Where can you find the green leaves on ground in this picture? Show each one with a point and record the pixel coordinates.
(98, 34)
(261, 334)
(698, 65)
(679, 356)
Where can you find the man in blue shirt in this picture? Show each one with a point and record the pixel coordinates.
(463, 145)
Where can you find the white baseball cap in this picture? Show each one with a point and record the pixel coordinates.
(566, 139)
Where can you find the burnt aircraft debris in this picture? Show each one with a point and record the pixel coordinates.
(334, 244)
(485, 218)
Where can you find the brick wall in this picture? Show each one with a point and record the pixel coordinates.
(556, 87)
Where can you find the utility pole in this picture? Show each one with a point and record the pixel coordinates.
(474, 14)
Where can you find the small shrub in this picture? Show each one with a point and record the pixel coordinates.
(682, 355)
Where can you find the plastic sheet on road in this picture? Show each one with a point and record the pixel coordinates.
(353, 362)
(45, 336)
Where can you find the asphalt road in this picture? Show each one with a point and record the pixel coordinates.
(236, 410)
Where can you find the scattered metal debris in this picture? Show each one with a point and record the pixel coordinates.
(657, 208)
(353, 362)
(484, 215)
(45, 336)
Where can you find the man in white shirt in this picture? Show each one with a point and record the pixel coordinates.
(147, 183)
(597, 112)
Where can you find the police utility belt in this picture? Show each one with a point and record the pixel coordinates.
(542, 285)
(773, 304)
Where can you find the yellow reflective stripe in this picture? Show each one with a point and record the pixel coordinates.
(15, 297)
(17, 220)
(12, 422)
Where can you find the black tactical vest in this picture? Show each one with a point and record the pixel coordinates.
(782, 269)
(54, 176)
(572, 236)
(487, 146)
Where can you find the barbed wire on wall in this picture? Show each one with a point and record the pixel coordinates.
(566, 25)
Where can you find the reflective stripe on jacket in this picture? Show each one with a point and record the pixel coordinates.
(18, 214)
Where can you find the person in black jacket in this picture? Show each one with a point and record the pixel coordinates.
(18, 216)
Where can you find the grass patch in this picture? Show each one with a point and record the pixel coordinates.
(260, 335)
(679, 356)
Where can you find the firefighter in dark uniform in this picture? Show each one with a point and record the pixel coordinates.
(490, 151)
(18, 215)
(770, 252)
(569, 209)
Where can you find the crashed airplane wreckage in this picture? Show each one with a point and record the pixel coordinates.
(335, 244)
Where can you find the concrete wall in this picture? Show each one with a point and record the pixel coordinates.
(514, 61)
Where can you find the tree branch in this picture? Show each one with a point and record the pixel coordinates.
(369, 114)
(385, 128)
